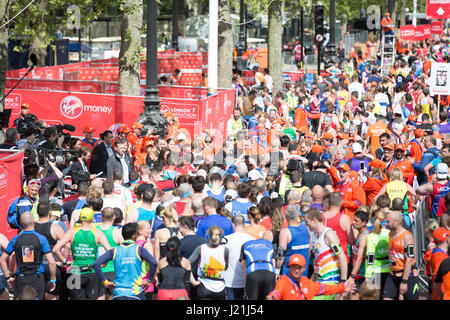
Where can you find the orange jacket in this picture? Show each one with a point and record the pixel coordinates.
(406, 168)
(301, 118)
(287, 289)
(372, 187)
(354, 196)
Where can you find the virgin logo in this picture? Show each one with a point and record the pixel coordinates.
(71, 107)
(164, 109)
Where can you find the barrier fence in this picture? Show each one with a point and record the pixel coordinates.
(420, 240)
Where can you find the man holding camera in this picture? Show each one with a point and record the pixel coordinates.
(79, 169)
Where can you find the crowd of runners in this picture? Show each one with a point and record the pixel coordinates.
(312, 195)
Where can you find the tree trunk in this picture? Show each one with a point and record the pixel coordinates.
(38, 44)
(403, 13)
(130, 47)
(394, 13)
(274, 45)
(4, 15)
(225, 53)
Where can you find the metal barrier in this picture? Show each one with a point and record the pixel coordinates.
(420, 240)
(351, 38)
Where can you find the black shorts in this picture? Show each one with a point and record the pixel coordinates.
(86, 287)
(205, 294)
(259, 284)
(103, 290)
(3, 284)
(392, 286)
(35, 281)
(58, 283)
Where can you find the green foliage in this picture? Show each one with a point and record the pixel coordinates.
(45, 18)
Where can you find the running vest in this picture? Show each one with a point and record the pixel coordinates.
(128, 269)
(249, 111)
(335, 224)
(219, 197)
(300, 240)
(326, 263)
(342, 97)
(396, 189)
(397, 254)
(109, 236)
(258, 255)
(238, 207)
(378, 244)
(439, 190)
(211, 268)
(84, 248)
(145, 214)
(355, 251)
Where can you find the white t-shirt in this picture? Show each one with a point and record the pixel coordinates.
(383, 101)
(234, 275)
(268, 82)
(114, 202)
(358, 87)
(123, 193)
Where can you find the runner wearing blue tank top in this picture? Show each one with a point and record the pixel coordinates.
(242, 203)
(295, 239)
(146, 211)
(257, 257)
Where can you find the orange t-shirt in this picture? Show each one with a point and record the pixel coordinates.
(374, 132)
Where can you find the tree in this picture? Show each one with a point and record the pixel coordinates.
(225, 51)
(130, 47)
(274, 42)
(4, 16)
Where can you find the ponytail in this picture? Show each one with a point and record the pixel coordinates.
(379, 216)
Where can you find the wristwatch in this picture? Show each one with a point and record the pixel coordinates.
(353, 276)
(404, 281)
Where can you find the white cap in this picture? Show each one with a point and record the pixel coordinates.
(442, 171)
(181, 136)
(356, 147)
(254, 175)
(170, 202)
(231, 193)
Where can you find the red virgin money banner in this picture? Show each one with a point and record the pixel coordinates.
(10, 186)
(437, 27)
(407, 33)
(109, 112)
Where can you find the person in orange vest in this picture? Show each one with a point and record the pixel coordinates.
(135, 139)
(301, 115)
(400, 162)
(294, 286)
(89, 141)
(438, 254)
(386, 23)
(376, 180)
(414, 146)
(347, 185)
(401, 282)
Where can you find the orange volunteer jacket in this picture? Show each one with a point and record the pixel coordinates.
(287, 289)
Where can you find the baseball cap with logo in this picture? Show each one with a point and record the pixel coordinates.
(297, 259)
(400, 146)
(377, 163)
(440, 235)
(124, 129)
(389, 146)
(356, 148)
(442, 171)
(344, 167)
(86, 214)
(254, 175)
(88, 129)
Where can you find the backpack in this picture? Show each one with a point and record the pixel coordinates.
(13, 216)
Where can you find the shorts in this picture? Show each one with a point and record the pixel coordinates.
(58, 283)
(35, 281)
(259, 284)
(103, 289)
(3, 284)
(87, 288)
(392, 286)
(172, 294)
(205, 294)
(140, 296)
